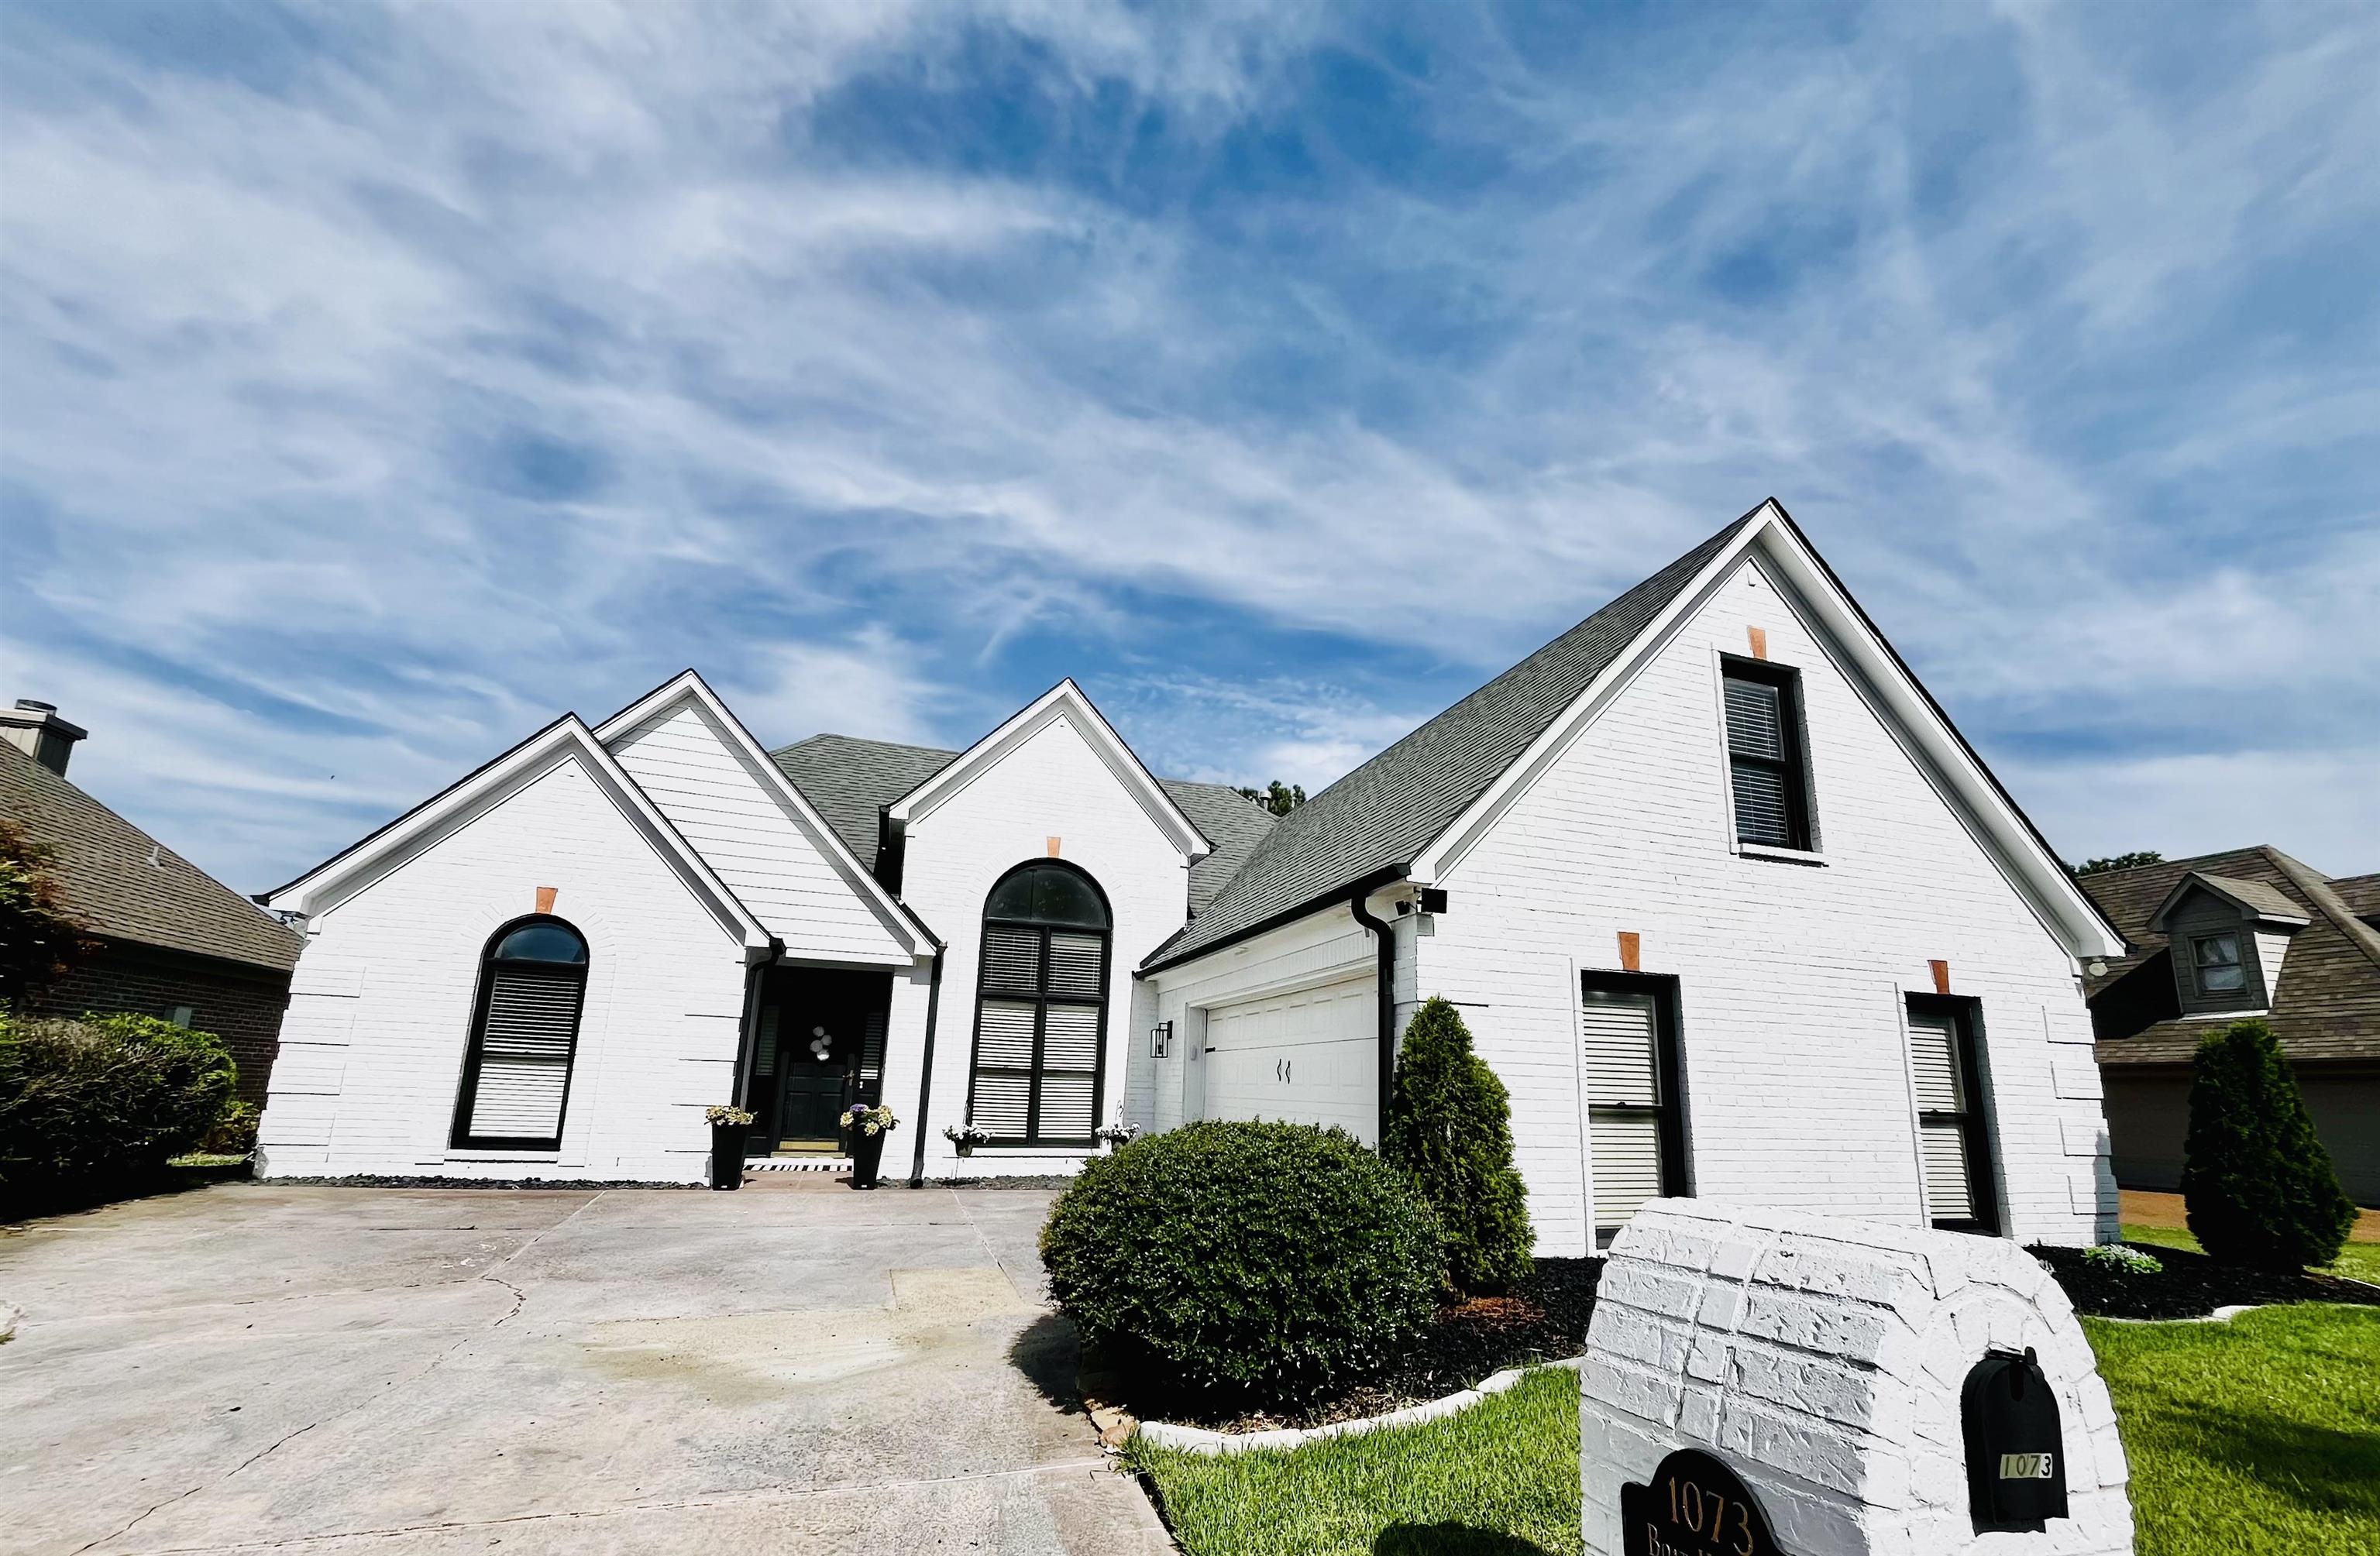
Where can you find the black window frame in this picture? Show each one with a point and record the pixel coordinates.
(1966, 1016)
(1042, 999)
(466, 1092)
(1668, 1074)
(1801, 813)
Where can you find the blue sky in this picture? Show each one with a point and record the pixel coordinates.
(377, 383)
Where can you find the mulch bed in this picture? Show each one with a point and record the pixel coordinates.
(2190, 1287)
(1543, 1319)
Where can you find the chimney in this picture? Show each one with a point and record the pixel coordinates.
(35, 728)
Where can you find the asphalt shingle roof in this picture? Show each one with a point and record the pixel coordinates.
(2262, 896)
(2327, 1003)
(850, 780)
(1382, 814)
(106, 880)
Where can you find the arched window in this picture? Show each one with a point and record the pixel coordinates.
(1042, 1006)
(517, 1073)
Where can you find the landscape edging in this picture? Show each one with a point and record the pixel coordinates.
(1199, 1439)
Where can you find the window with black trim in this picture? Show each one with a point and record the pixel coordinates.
(1954, 1139)
(1041, 1007)
(1636, 1134)
(523, 1036)
(2215, 961)
(1769, 777)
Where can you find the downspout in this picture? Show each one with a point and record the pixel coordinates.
(753, 976)
(926, 1086)
(1387, 936)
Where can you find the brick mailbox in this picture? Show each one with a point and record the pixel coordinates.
(1761, 1381)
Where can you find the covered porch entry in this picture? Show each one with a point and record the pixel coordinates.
(817, 1048)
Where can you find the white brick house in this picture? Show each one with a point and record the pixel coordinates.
(1728, 904)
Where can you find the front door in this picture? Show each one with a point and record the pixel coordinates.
(810, 1105)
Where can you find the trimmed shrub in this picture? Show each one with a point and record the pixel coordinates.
(1243, 1260)
(104, 1097)
(2256, 1178)
(1451, 1134)
(234, 1133)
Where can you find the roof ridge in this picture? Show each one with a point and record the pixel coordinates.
(2326, 901)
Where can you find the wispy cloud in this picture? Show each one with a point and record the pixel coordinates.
(381, 381)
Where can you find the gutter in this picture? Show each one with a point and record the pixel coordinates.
(926, 1084)
(1387, 936)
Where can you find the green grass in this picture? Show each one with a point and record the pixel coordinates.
(2258, 1435)
(1499, 1479)
(2359, 1261)
(2262, 1434)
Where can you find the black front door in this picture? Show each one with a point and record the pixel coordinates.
(811, 1103)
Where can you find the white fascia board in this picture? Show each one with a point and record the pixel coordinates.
(904, 925)
(1064, 700)
(1443, 852)
(345, 874)
(1918, 725)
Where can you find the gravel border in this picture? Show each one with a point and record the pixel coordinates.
(1199, 1440)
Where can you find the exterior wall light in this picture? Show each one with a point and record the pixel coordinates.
(1161, 1040)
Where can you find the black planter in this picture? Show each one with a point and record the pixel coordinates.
(867, 1155)
(727, 1155)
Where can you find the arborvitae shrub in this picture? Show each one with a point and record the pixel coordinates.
(1243, 1260)
(104, 1097)
(1451, 1134)
(2257, 1182)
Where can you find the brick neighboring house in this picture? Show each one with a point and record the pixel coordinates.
(173, 941)
(2249, 933)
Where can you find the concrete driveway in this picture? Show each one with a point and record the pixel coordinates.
(791, 1367)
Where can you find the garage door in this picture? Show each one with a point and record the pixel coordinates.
(1309, 1057)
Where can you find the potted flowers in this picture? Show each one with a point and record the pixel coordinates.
(867, 1127)
(728, 1131)
(966, 1137)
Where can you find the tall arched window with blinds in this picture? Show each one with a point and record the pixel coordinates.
(524, 1035)
(1041, 1007)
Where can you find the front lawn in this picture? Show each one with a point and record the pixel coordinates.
(2258, 1435)
(2262, 1434)
(1499, 1479)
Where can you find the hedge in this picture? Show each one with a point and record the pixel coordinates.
(104, 1097)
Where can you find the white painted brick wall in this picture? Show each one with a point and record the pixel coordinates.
(383, 994)
(1791, 975)
(1052, 785)
(1822, 1360)
(747, 833)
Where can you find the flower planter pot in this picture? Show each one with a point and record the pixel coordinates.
(727, 1155)
(867, 1155)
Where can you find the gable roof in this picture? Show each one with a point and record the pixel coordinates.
(1062, 702)
(1379, 817)
(851, 780)
(2327, 1003)
(1410, 810)
(106, 879)
(492, 781)
(2258, 899)
(689, 687)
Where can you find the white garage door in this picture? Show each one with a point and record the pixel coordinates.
(1309, 1057)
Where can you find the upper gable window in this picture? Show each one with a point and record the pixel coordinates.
(1768, 779)
(2215, 959)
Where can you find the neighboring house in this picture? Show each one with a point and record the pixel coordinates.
(172, 941)
(1726, 900)
(2249, 933)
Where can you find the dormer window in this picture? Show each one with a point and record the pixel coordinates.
(2216, 959)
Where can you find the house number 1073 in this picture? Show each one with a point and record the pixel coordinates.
(1689, 1506)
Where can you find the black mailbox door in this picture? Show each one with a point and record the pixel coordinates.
(1695, 1506)
(2016, 1449)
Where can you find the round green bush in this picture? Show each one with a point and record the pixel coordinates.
(1238, 1259)
(104, 1097)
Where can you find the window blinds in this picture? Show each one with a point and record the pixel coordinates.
(1758, 763)
(525, 1056)
(1620, 1039)
(1040, 1015)
(1941, 1116)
